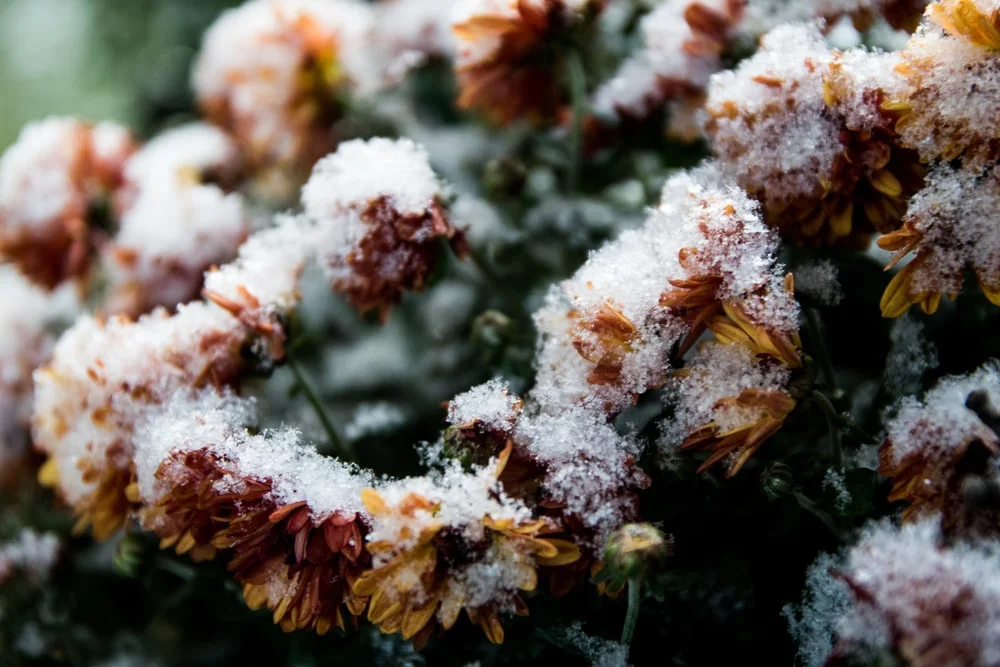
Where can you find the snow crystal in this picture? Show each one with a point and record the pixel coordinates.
(397, 170)
(956, 216)
(955, 88)
(491, 403)
(31, 552)
(372, 419)
(183, 152)
(818, 280)
(909, 358)
(600, 652)
(813, 622)
(717, 371)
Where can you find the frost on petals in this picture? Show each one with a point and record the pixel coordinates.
(178, 220)
(910, 596)
(56, 183)
(290, 520)
(607, 333)
(948, 105)
(803, 130)
(953, 224)
(441, 545)
(380, 209)
(683, 42)
(102, 380)
(933, 444)
(270, 71)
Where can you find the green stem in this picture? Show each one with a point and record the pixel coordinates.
(811, 507)
(816, 328)
(632, 616)
(578, 97)
(317, 405)
(833, 424)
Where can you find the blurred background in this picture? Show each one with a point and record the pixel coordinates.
(121, 60)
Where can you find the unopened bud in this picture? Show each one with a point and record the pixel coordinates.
(632, 549)
(130, 556)
(777, 480)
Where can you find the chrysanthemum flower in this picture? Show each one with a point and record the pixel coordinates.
(381, 226)
(947, 100)
(290, 519)
(951, 226)
(441, 546)
(56, 183)
(177, 220)
(102, 379)
(765, 15)
(270, 72)
(728, 401)
(932, 444)
(509, 58)
(909, 596)
(802, 130)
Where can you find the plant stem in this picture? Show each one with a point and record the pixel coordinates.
(632, 616)
(833, 424)
(808, 505)
(317, 405)
(816, 328)
(578, 95)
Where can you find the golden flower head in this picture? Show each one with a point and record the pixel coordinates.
(802, 130)
(439, 548)
(633, 549)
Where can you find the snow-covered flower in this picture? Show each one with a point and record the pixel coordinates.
(933, 444)
(103, 379)
(56, 182)
(290, 520)
(270, 72)
(177, 219)
(442, 545)
(951, 225)
(803, 130)
(381, 226)
(948, 99)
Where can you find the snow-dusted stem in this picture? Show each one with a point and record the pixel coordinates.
(822, 354)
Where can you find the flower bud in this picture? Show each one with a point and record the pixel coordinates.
(130, 556)
(777, 480)
(633, 549)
